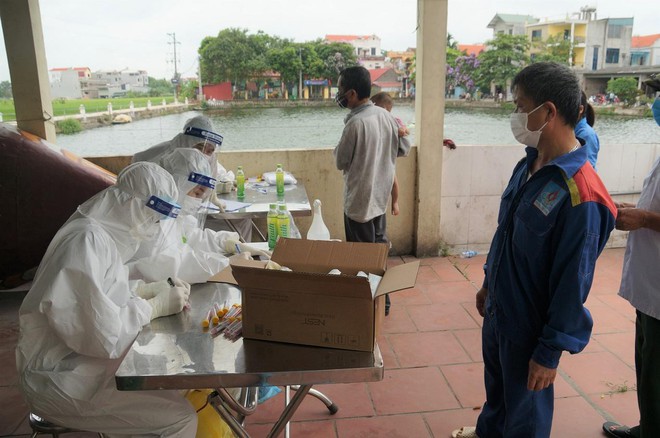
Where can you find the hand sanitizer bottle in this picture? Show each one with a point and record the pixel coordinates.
(318, 230)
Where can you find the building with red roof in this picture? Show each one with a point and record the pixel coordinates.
(472, 49)
(645, 50)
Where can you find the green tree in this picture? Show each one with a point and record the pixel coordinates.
(189, 89)
(5, 90)
(286, 61)
(555, 49)
(625, 89)
(227, 57)
(504, 58)
(335, 58)
(160, 87)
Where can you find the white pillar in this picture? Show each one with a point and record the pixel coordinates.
(83, 112)
(110, 108)
(429, 120)
(26, 56)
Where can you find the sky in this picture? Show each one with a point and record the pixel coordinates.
(138, 34)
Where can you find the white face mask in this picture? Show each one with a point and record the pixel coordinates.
(520, 131)
(191, 205)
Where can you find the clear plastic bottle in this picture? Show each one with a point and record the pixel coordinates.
(283, 221)
(272, 221)
(279, 180)
(240, 183)
(468, 254)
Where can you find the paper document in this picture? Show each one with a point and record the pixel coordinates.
(235, 205)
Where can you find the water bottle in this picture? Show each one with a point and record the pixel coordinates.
(279, 180)
(318, 230)
(468, 254)
(283, 221)
(240, 183)
(271, 220)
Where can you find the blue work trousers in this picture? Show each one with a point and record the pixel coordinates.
(511, 410)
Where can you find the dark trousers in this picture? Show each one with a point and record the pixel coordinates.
(647, 365)
(511, 410)
(372, 231)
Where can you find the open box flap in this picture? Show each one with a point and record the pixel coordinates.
(398, 277)
(226, 275)
(321, 256)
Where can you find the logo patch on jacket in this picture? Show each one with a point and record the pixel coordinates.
(549, 198)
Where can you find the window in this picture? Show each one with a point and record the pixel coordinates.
(510, 31)
(373, 51)
(594, 65)
(567, 34)
(537, 35)
(614, 31)
(612, 56)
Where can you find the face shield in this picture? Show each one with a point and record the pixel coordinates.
(193, 177)
(209, 143)
(194, 202)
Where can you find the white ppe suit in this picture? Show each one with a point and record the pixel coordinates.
(190, 253)
(80, 317)
(187, 139)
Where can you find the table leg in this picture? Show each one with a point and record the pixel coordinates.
(289, 410)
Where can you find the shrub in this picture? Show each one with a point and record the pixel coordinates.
(68, 126)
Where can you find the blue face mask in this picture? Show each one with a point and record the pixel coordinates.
(655, 109)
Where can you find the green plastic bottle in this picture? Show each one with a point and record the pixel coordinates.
(272, 221)
(240, 183)
(283, 222)
(279, 180)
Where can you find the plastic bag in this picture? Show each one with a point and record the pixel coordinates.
(269, 177)
(209, 423)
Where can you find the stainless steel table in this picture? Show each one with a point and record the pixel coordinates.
(260, 199)
(175, 352)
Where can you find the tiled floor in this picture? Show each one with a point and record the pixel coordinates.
(433, 379)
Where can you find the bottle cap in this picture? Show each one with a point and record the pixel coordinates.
(273, 206)
(240, 167)
(282, 207)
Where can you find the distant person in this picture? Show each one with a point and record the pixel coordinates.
(554, 220)
(584, 130)
(384, 100)
(366, 155)
(640, 285)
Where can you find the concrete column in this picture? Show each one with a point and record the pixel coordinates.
(429, 120)
(26, 55)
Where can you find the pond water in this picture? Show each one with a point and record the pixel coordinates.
(320, 127)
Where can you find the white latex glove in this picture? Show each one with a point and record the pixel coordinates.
(223, 237)
(150, 290)
(217, 202)
(241, 256)
(232, 246)
(169, 301)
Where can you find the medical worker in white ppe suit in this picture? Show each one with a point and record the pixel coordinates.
(191, 252)
(198, 133)
(81, 315)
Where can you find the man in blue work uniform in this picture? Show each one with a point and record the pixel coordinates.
(555, 217)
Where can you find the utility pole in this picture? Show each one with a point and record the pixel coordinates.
(200, 93)
(175, 79)
(300, 89)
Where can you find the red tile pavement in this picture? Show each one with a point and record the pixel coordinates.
(431, 345)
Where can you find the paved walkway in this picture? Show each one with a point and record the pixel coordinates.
(433, 379)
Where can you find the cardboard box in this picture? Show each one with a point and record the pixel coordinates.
(308, 306)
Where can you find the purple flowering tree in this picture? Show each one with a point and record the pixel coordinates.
(462, 73)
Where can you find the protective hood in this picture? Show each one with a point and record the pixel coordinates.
(181, 140)
(130, 210)
(191, 171)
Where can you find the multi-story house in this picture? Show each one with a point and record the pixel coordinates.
(609, 43)
(65, 82)
(572, 29)
(510, 24)
(645, 50)
(367, 49)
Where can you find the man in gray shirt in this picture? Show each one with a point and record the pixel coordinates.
(366, 153)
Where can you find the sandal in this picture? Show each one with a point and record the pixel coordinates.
(465, 432)
(616, 430)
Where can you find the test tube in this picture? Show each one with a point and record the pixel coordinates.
(206, 322)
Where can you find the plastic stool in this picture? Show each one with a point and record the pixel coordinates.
(39, 425)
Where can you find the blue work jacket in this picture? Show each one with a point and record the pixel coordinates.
(551, 229)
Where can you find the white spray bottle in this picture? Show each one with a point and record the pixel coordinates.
(318, 230)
